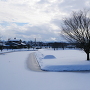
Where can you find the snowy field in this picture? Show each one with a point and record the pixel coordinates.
(62, 60)
(14, 75)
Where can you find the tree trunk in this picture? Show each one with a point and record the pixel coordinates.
(88, 56)
(87, 52)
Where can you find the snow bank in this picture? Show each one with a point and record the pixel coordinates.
(66, 68)
(62, 60)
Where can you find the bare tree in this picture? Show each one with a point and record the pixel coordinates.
(77, 29)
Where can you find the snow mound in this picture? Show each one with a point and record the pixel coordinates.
(49, 57)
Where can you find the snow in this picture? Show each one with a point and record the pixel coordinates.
(15, 50)
(66, 60)
(49, 57)
(14, 74)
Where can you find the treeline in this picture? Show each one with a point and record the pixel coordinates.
(36, 45)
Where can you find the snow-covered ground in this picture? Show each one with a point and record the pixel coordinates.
(16, 50)
(62, 60)
(14, 75)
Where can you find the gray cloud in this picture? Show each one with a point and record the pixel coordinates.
(39, 19)
(43, 2)
(43, 33)
(27, 32)
(68, 6)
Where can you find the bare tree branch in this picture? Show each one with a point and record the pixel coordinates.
(77, 29)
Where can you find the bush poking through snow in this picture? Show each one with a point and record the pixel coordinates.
(49, 57)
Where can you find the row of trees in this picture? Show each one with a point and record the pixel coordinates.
(36, 45)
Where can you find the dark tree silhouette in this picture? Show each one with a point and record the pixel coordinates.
(76, 29)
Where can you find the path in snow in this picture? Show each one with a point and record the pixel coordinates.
(32, 63)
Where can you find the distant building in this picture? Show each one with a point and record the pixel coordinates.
(16, 43)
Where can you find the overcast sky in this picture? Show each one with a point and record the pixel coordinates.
(30, 19)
